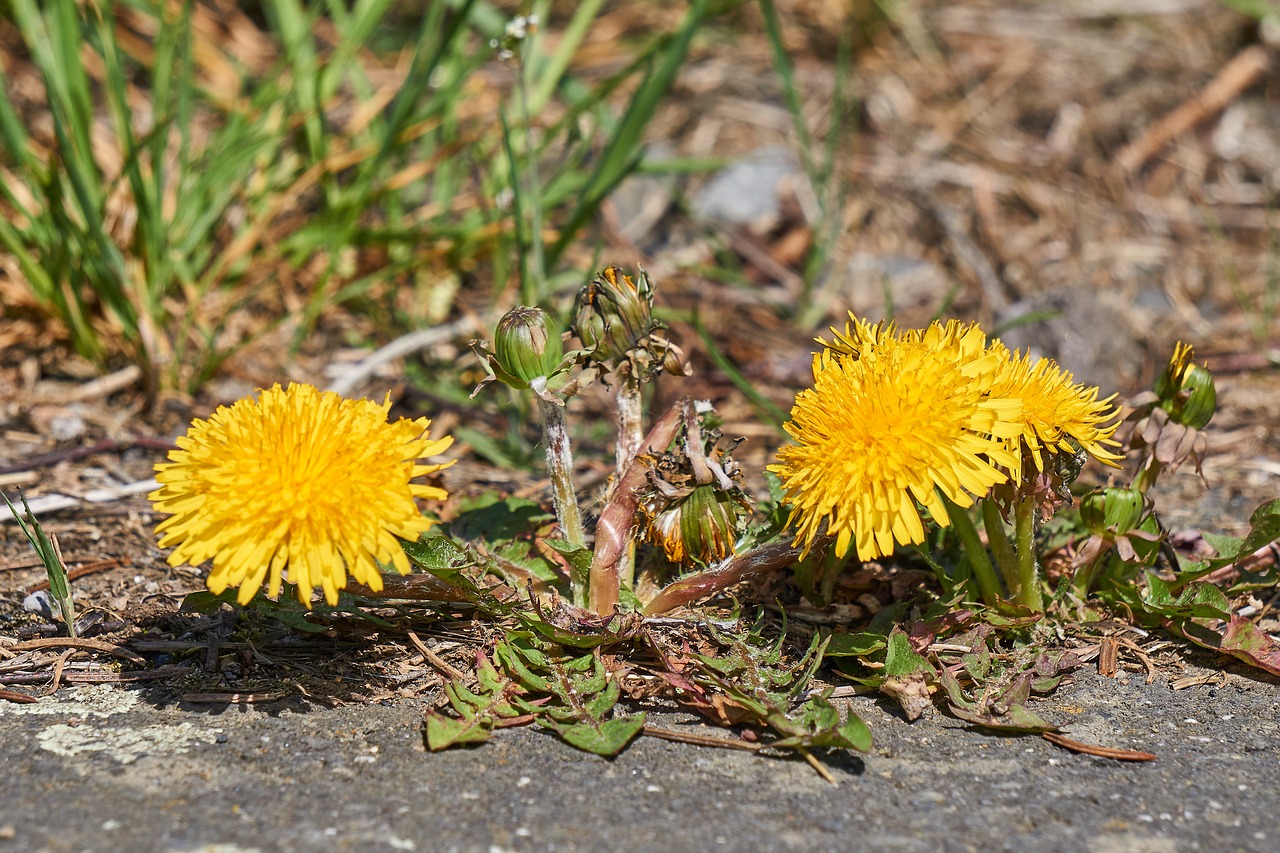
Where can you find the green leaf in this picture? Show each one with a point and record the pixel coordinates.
(816, 725)
(1223, 546)
(59, 589)
(577, 694)
(491, 705)
(1158, 595)
(499, 520)
(859, 645)
(601, 738)
(901, 659)
(580, 639)
(1204, 601)
(444, 732)
(579, 559)
(1018, 718)
(1241, 639)
(206, 602)
(523, 660)
(436, 554)
(1265, 522)
(1264, 529)
(761, 688)
(1198, 600)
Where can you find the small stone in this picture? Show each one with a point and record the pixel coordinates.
(39, 602)
(747, 192)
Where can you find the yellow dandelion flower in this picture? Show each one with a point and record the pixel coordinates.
(1054, 410)
(299, 480)
(891, 421)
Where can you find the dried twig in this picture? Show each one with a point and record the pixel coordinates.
(100, 677)
(435, 660)
(1236, 76)
(82, 571)
(698, 739)
(58, 666)
(48, 460)
(85, 645)
(1142, 656)
(353, 375)
(232, 698)
(15, 696)
(1108, 653)
(53, 503)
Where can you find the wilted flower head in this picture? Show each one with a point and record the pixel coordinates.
(1166, 424)
(613, 317)
(298, 481)
(693, 506)
(613, 313)
(893, 420)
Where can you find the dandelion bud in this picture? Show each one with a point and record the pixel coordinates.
(527, 345)
(613, 314)
(700, 528)
(1186, 389)
(1112, 510)
(1197, 398)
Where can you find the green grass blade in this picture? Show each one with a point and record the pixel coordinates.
(59, 589)
(782, 64)
(623, 150)
(553, 71)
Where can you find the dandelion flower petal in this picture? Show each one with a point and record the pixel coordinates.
(298, 482)
(1055, 411)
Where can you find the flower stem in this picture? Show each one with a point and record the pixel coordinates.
(979, 560)
(630, 423)
(1147, 474)
(1028, 591)
(630, 438)
(560, 470)
(739, 567)
(613, 531)
(1001, 547)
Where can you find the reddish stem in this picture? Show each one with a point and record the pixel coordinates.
(613, 530)
(758, 561)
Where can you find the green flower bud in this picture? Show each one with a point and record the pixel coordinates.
(613, 314)
(1186, 389)
(527, 345)
(700, 528)
(1197, 398)
(1112, 510)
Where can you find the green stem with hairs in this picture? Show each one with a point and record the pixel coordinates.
(1001, 547)
(1028, 591)
(979, 560)
(1148, 473)
(560, 470)
(630, 440)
